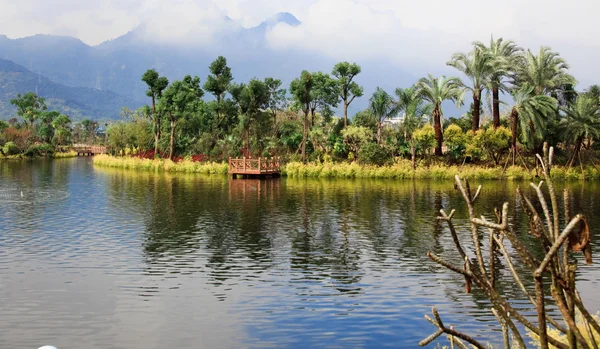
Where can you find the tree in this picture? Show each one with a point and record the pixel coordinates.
(156, 85)
(277, 98)
(477, 66)
(435, 91)
(180, 101)
(61, 127)
(581, 122)
(593, 92)
(348, 89)
(503, 53)
(252, 99)
(301, 89)
(546, 72)
(528, 114)
(89, 130)
(324, 96)
(45, 130)
(411, 104)
(382, 106)
(29, 106)
(355, 137)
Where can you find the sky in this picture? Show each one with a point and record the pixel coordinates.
(415, 34)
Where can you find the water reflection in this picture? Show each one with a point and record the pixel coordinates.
(247, 263)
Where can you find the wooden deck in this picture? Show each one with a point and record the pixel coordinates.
(255, 167)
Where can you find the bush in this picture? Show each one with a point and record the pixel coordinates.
(456, 141)
(425, 138)
(10, 148)
(40, 150)
(374, 154)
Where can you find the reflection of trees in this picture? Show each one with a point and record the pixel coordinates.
(331, 231)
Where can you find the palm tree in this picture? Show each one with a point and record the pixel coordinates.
(382, 106)
(411, 104)
(435, 91)
(528, 114)
(581, 122)
(503, 54)
(546, 72)
(477, 66)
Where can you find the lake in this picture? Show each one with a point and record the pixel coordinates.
(104, 258)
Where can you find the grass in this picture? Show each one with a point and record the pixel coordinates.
(57, 155)
(400, 170)
(164, 165)
(69, 154)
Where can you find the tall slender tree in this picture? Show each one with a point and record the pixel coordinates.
(252, 99)
(382, 106)
(156, 86)
(324, 96)
(348, 89)
(300, 90)
(411, 104)
(435, 91)
(180, 101)
(581, 122)
(477, 66)
(218, 83)
(277, 100)
(528, 114)
(504, 53)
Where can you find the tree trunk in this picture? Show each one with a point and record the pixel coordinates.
(476, 111)
(379, 125)
(437, 125)
(576, 150)
(304, 136)
(496, 106)
(413, 154)
(514, 121)
(172, 140)
(345, 114)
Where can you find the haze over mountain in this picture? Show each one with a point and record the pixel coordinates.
(77, 102)
(117, 65)
(395, 42)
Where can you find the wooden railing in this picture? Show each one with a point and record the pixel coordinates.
(254, 165)
(89, 149)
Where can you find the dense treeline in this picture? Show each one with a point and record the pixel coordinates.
(221, 118)
(40, 132)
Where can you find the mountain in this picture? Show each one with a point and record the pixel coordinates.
(117, 65)
(77, 102)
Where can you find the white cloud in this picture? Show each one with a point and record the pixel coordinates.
(417, 35)
(421, 35)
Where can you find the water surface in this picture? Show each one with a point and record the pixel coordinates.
(98, 258)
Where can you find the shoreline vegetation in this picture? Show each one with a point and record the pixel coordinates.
(193, 126)
(401, 169)
(57, 155)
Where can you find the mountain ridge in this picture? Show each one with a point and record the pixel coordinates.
(76, 102)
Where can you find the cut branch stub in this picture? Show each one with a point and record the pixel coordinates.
(579, 240)
(580, 236)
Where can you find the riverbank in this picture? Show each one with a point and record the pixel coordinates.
(161, 165)
(59, 155)
(400, 170)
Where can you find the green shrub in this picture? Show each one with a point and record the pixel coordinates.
(456, 141)
(425, 138)
(10, 148)
(374, 154)
(40, 150)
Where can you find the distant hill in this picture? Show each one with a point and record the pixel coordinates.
(117, 65)
(77, 102)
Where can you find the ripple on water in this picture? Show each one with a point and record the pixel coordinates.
(145, 260)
